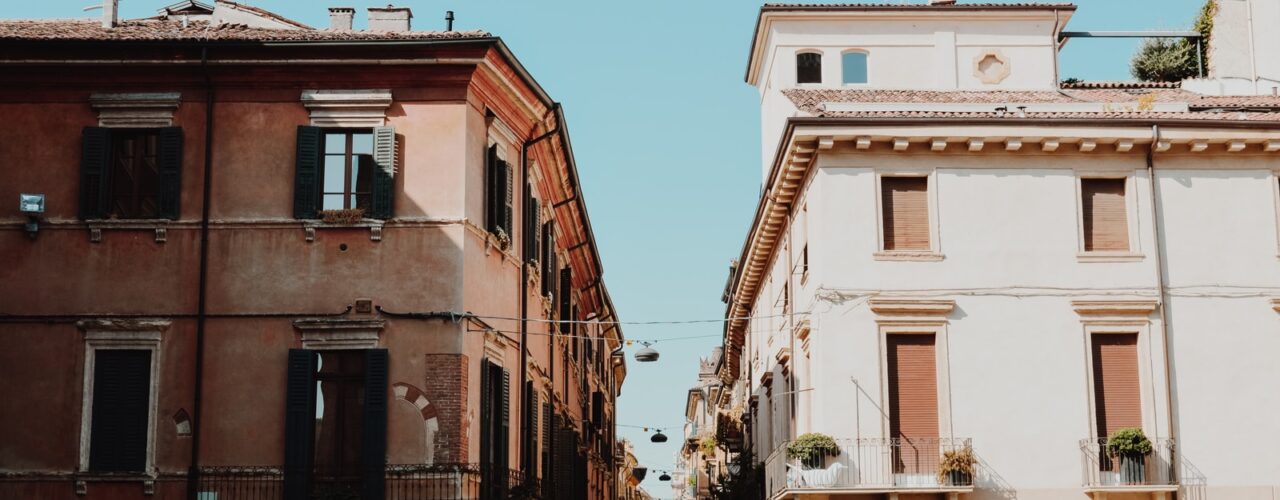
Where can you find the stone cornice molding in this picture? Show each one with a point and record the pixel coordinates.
(1114, 307)
(914, 308)
(347, 108)
(339, 333)
(135, 110)
(123, 325)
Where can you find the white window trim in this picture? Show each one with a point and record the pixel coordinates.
(119, 335)
(1119, 317)
(1131, 219)
(347, 108)
(934, 253)
(855, 85)
(916, 317)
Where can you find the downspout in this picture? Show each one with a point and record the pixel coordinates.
(1253, 48)
(526, 420)
(1057, 47)
(193, 475)
(1162, 290)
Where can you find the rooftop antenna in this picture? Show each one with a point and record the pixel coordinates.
(448, 20)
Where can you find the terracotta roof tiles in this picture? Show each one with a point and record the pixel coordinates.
(173, 30)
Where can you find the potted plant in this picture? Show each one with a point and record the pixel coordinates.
(812, 448)
(342, 215)
(956, 468)
(708, 446)
(1131, 447)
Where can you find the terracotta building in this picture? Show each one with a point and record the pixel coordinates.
(256, 259)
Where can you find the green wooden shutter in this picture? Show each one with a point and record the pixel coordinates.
(306, 183)
(546, 474)
(508, 199)
(491, 184)
(384, 155)
(95, 170)
(504, 435)
(548, 259)
(299, 424)
(169, 161)
(374, 440)
(531, 439)
(486, 428)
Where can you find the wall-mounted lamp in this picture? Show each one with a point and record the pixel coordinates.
(32, 205)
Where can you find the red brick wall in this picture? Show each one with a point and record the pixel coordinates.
(446, 388)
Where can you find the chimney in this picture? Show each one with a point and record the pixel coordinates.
(110, 13)
(340, 18)
(389, 18)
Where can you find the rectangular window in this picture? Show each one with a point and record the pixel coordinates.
(913, 402)
(339, 396)
(809, 67)
(130, 173)
(347, 170)
(1117, 396)
(495, 414)
(905, 212)
(499, 188)
(1105, 217)
(121, 407)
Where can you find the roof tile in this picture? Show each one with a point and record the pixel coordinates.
(173, 30)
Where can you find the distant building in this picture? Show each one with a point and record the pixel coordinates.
(1244, 50)
(282, 262)
(952, 253)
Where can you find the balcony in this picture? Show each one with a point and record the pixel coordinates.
(403, 482)
(1154, 473)
(870, 466)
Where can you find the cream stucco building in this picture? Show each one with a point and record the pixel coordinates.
(954, 253)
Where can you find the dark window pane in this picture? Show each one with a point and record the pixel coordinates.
(135, 175)
(809, 68)
(362, 173)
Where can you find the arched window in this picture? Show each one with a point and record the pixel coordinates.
(809, 67)
(854, 67)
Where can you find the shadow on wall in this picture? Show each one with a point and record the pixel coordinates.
(989, 480)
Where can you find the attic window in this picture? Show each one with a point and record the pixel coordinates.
(809, 67)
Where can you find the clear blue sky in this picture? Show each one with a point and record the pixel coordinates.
(667, 139)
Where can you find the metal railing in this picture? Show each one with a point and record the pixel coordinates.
(1102, 470)
(894, 463)
(403, 482)
(241, 483)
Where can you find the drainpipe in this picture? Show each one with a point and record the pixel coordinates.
(1253, 49)
(1057, 78)
(1162, 290)
(526, 422)
(193, 475)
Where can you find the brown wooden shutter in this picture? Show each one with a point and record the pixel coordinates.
(1102, 205)
(905, 212)
(121, 402)
(1117, 397)
(913, 401)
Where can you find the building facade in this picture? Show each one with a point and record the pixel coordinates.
(954, 256)
(256, 259)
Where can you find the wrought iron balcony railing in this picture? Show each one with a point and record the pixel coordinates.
(875, 464)
(1103, 470)
(403, 482)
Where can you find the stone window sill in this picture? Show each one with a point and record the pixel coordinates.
(1109, 257)
(909, 255)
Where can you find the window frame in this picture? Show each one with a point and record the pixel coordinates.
(934, 252)
(1146, 392)
(1134, 253)
(118, 135)
(866, 67)
(98, 338)
(348, 163)
(796, 66)
(928, 326)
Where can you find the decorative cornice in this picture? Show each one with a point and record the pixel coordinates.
(135, 110)
(1114, 307)
(347, 108)
(911, 307)
(123, 325)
